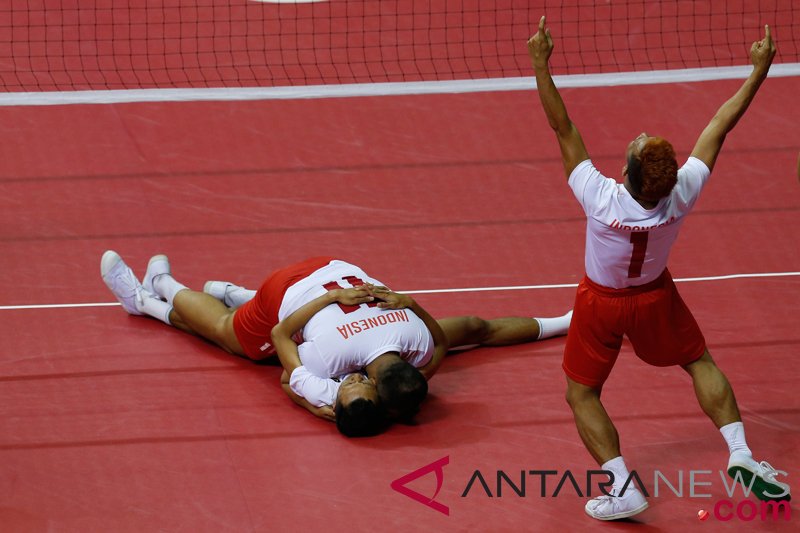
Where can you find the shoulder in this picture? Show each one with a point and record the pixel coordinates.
(584, 169)
(693, 174)
(694, 165)
(318, 391)
(591, 188)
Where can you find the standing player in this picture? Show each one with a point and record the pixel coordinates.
(628, 290)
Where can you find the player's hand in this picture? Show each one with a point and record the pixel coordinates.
(388, 299)
(352, 296)
(326, 412)
(762, 52)
(540, 46)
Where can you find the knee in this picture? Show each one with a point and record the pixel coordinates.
(578, 394)
(703, 364)
(476, 327)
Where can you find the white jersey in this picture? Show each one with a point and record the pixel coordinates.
(340, 340)
(626, 244)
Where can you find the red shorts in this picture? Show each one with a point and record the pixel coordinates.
(661, 328)
(253, 322)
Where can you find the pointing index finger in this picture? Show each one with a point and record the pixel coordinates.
(541, 24)
(768, 37)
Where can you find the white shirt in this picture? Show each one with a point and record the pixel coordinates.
(340, 340)
(626, 244)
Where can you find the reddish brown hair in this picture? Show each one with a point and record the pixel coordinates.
(655, 171)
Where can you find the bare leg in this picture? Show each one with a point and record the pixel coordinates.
(472, 330)
(203, 315)
(713, 391)
(594, 425)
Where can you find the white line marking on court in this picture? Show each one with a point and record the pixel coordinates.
(568, 285)
(387, 89)
(440, 291)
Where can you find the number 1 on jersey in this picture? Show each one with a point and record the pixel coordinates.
(639, 241)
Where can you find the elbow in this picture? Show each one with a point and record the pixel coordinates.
(276, 333)
(563, 129)
(557, 127)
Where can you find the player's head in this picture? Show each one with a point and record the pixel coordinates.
(358, 411)
(401, 389)
(651, 170)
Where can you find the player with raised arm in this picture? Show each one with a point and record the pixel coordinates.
(627, 289)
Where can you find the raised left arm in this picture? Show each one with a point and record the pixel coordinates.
(710, 142)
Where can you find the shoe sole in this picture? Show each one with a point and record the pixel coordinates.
(620, 516)
(759, 486)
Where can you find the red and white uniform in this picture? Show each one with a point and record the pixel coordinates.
(339, 339)
(614, 218)
(342, 339)
(627, 289)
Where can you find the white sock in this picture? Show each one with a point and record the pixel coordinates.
(167, 287)
(734, 436)
(617, 466)
(552, 327)
(236, 296)
(155, 308)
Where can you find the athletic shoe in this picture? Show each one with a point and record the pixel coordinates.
(121, 281)
(231, 295)
(610, 507)
(764, 486)
(158, 264)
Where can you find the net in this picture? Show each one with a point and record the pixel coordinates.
(64, 45)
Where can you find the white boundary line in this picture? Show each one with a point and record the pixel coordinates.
(441, 291)
(385, 89)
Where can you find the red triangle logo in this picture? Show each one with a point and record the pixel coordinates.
(437, 467)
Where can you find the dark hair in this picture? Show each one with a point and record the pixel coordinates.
(401, 389)
(360, 418)
(654, 172)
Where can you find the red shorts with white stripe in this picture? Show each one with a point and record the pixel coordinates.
(253, 321)
(661, 328)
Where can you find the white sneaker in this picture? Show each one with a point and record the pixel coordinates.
(121, 281)
(158, 264)
(764, 486)
(231, 295)
(616, 507)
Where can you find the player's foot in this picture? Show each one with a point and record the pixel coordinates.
(158, 264)
(764, 486)
(121, 281)
(615, 507)
(228, 293)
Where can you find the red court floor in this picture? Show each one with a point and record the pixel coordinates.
(116, 423)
